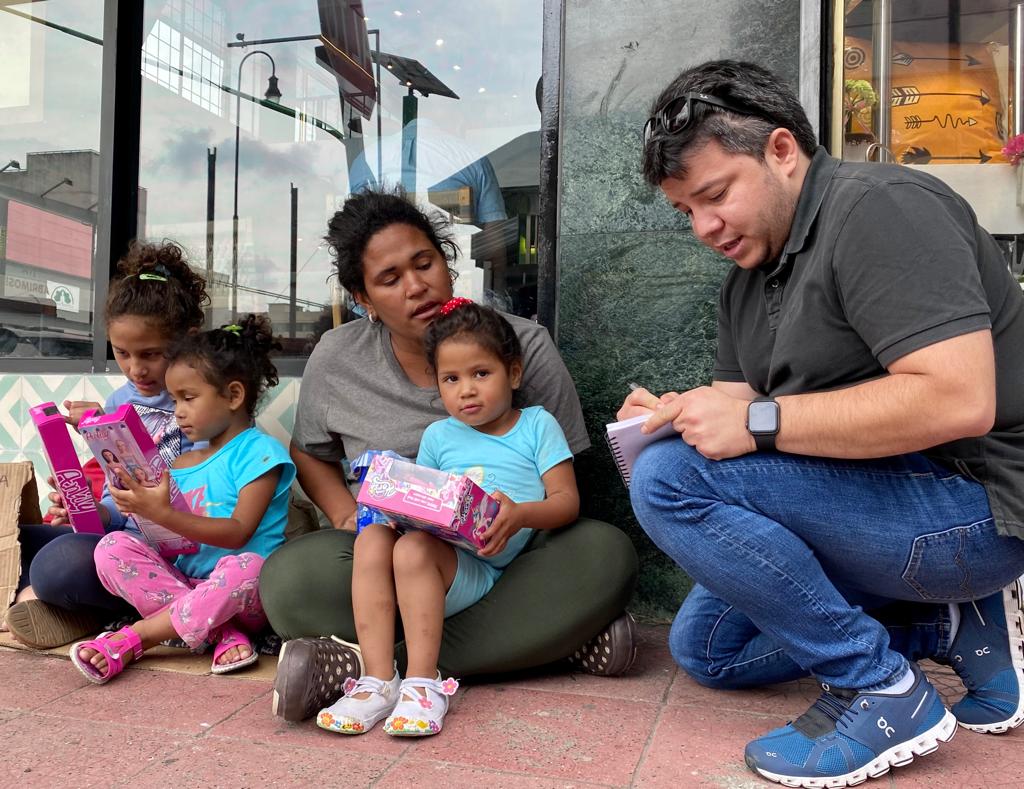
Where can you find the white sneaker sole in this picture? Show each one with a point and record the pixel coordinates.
(897, 756)
(1013, 604)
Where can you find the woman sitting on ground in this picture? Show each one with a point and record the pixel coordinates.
(368, 385)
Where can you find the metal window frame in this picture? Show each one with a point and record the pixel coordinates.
(117, 211)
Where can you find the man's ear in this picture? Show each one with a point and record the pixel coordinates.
(783, 151)
(236, 395)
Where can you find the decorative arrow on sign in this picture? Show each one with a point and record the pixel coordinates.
(923, 156)
(906, 95)
(905, 59)
(916, 121)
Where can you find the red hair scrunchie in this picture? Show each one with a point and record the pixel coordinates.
(453, 304)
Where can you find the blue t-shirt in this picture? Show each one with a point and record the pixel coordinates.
(212, 487)
(512, 463)
(157, 414)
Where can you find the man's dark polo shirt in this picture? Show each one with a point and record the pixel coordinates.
(882, 260)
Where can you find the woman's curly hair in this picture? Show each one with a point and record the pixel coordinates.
(234, 352)
(367, 213)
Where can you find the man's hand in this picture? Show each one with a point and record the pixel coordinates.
(709, 420)
(76, 410)
(640, 402)
(152, 503)
(505, 524)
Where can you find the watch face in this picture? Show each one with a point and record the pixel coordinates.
(763, 417)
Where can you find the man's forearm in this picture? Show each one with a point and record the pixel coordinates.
(887, 416)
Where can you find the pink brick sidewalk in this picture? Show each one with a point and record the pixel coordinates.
(653, 728)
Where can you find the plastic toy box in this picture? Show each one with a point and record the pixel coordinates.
(71, 481)
(121, 441)
(449, 506)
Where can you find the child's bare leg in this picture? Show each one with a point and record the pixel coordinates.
(152, 631)
(424, 570)
(373, 599)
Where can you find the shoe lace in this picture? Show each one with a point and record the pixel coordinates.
(824, 713)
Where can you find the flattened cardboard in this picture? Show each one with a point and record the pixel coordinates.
(19, 503)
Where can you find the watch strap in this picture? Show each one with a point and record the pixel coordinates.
(765, 442)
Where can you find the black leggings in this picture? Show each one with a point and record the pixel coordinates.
(59, 565)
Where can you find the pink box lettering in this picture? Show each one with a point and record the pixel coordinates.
(449, 506)
(67, 471)
(121, 442)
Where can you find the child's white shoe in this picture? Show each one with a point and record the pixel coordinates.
(420, 713)
(350, 715)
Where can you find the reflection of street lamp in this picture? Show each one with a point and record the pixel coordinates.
(272, 94)
(61, 182)
(11, 164)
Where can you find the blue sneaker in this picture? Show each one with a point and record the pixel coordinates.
(848, 736)
(988, 654)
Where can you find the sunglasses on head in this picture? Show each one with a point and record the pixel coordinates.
(677, 114)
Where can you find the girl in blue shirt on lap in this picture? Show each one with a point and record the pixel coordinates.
(519, 456)
(237, 489)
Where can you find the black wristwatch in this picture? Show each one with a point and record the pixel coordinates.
(763, 422)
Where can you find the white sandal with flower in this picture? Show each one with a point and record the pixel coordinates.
(349, 715)
(421, 707)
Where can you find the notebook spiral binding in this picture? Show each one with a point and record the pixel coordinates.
(620, 461)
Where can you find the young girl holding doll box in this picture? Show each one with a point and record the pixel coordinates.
(155, 298)
(237, 488)
(519, 456)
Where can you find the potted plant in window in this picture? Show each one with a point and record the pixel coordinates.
(858, 99)
(1014, 151)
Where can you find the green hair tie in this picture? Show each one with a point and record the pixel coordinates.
(152, 277)
(234, 328)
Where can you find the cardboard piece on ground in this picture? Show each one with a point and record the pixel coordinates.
(19, 503)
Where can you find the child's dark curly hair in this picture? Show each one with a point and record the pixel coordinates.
(476, 323)
(235, 352)
(156, 283)
(367, 213)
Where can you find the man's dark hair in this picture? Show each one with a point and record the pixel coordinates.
(771, 103)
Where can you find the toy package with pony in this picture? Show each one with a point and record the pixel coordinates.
(449, 506)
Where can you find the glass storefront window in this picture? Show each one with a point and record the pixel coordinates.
(327, 98)
(49, 174)
(937, 85)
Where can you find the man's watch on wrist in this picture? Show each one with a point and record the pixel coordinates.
(763, 422)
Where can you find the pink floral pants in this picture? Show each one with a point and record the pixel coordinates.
(132, 569)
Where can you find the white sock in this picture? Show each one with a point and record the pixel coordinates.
(902, 685)
(954, 621)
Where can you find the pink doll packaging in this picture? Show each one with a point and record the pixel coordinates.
(449, 506)
(67, 471)
(120, 441)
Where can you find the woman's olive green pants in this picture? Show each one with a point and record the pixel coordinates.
(560, 591)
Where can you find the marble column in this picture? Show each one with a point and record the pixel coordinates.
(636, 291)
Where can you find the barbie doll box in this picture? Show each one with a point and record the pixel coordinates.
(449, 506)
(121, 442)
(71, 481)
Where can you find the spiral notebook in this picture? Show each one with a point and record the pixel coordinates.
(626, 441)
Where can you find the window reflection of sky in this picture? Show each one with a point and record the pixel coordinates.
(490, 44)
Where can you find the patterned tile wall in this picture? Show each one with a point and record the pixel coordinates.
(18, 393)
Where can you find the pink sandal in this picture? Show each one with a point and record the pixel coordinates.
(111, 649)
(231, 636)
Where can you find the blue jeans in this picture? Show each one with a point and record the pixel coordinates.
(790, 551)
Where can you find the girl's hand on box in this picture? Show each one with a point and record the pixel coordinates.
(77, 408)
(57, 512)
(152, 503)
(506, 523)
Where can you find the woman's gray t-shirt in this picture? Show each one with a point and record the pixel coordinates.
(355, 396)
